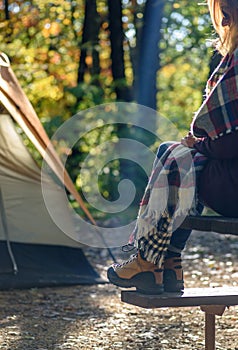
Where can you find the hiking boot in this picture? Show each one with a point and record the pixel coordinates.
(139, 273)
(173, 275)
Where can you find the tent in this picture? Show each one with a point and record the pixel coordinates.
(34, 251)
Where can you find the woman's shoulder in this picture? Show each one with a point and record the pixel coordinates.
(235, 52)
(233, 58)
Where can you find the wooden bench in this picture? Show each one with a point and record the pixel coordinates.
(213, 301)
(219, 224)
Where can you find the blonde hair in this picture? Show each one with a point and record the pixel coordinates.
(228, 35)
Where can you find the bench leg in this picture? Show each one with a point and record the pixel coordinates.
(210, 333)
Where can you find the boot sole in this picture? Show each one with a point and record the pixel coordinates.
(144, 282)
(173, 288)
(171, 284)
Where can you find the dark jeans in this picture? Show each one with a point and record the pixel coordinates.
(179, 238)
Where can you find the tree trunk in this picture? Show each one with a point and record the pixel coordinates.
(90, 42)
(148, 57)
(146, 68)
(117, 51)
(7, 17)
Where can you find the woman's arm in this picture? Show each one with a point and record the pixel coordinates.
(225, 147)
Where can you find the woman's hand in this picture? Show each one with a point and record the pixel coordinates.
(189, 140)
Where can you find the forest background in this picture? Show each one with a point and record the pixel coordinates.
(71, 55)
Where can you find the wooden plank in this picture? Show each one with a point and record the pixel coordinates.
(218, 224)
(190, 297)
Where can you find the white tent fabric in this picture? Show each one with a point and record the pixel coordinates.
(27, 218)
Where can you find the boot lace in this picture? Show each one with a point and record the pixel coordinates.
(132, 258)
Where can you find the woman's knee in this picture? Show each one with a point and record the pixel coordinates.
(163, 147)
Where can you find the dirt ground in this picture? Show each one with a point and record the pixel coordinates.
(93, 317)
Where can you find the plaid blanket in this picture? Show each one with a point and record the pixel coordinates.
(171, 193)
(218, 115)
(169, 197)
